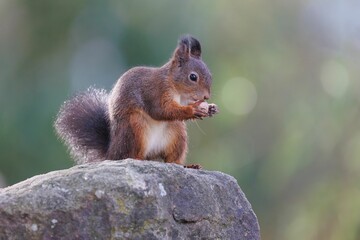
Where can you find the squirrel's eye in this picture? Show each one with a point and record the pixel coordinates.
(193, 77)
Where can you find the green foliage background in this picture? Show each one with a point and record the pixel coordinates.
(286, 78)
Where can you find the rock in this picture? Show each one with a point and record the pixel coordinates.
(127, 199)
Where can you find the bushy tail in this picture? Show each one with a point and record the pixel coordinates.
(83, 124)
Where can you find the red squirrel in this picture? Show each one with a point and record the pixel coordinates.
(143, 117)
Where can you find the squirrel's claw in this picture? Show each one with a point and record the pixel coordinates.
(193, 166)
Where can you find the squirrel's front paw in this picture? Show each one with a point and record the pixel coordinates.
(213, 109)
(210, 109)
(200, 109)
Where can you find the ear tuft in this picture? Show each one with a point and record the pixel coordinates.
(188, 47)
(192, 44)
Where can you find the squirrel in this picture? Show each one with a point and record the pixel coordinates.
(143, 117)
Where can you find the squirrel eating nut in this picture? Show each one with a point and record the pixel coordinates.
(143, 117)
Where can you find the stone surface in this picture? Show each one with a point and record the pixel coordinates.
(127, 199)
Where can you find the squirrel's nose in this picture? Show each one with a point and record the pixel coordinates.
(206, 96)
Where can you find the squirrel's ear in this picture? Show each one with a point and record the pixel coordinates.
(188, 46)
(194, 45)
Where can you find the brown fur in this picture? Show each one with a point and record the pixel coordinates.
(144, 94)
(144, 115)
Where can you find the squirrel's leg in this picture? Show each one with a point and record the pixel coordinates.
(125, 140)
(176, 155)
(176, 151)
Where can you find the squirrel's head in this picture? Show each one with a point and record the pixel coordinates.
(190, 75)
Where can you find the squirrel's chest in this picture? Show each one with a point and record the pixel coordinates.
(158, 136)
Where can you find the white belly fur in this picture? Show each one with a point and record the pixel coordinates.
(158, 137)
(159, 134)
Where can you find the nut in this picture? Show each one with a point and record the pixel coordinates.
(204, 106)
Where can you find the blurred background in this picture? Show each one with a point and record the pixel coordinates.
(286, 78)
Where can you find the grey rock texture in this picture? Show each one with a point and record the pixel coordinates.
(127, 199)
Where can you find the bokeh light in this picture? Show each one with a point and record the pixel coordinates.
(239, 96)
(334, 78)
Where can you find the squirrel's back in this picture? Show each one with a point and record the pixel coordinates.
(83, 124)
